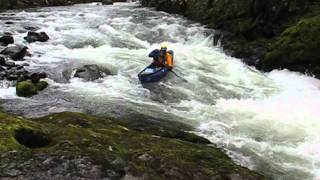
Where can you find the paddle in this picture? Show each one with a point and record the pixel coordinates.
(178, 76)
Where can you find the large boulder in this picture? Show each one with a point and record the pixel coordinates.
(26, 89)
(34, 36)
(16, 52)
(6, 40)
(92, 72)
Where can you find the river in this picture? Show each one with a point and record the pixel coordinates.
(269, 122)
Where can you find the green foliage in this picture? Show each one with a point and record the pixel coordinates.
(297, 44)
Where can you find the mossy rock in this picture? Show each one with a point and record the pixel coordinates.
(42, 85)
(100, 147)
(298, 45)
(26, 89)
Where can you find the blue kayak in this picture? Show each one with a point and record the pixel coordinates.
(152, 74)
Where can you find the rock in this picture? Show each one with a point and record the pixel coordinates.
(92, 72)
(2, 61)
(10, 64)
(12, 77)
(16, 52)
(6, 40)
(2, 75)
(35, 78)
(42, 85)
(9, 22)
(26, 89)
(24, 77)
(107, 2)
(13, 173)
(43, 75)
(145, 157)
(298, 45)
(34, 36)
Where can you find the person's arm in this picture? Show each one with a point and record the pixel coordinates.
(154, 53)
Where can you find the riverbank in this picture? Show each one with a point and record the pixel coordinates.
(75, 145)
(268, 35)
(9, 4)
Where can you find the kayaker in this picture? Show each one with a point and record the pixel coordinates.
(162, 57)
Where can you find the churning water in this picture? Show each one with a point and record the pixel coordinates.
(269, 122)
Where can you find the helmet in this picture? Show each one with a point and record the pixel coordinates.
(164, 46)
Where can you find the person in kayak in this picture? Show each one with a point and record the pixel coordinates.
(162, 57)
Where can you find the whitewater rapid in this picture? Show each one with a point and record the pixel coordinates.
(268, 122)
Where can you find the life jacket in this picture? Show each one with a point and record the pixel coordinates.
(161, 61)
(166, 60)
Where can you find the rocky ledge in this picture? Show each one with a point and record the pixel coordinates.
(266, 34)
(79, 146)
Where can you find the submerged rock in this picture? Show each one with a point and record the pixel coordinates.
(34, 36)
(92, 72)
(16, 52)
(6, 40)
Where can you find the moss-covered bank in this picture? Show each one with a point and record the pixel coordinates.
(75, 145)
(267, 34)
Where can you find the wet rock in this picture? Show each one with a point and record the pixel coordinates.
(92, 72)
(26, 89)
(16, 52)
(2, 61)
(107, 2)
(2, 74)
(10, 64)
(43, 75)
(35, 78)
(12, 77)
(145, 157)
(42, 85)
(13, 173)
(34, 36)
(6, 40)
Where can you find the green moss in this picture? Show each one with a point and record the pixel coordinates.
(297, 44)
(42, 85)
(26, 89)
(144, 155)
